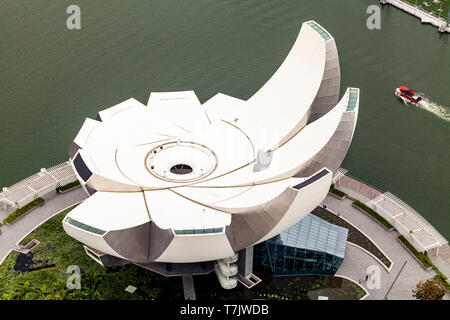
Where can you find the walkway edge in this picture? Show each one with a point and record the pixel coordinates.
(365, 290)
(374, 243)
(34, 228)
(373, 256)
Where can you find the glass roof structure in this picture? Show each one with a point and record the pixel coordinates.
(315, 234)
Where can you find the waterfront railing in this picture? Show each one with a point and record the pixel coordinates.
(407, 221)
(37, 185)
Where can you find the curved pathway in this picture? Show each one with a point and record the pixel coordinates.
(54, 203)
(357, 261)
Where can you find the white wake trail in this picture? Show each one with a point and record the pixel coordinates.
(426, 104)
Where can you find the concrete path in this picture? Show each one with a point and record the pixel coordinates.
(357, 261)
(54, 203)
(442, 261)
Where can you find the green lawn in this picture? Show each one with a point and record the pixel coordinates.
(97, 282)
(443, 4)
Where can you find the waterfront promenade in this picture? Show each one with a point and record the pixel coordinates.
(357, 260)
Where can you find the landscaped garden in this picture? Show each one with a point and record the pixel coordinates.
(19, 281)
(354, 235)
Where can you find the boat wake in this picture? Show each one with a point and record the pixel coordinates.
(426, 104)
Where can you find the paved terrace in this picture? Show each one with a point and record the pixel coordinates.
(357, 260)
(54, 203)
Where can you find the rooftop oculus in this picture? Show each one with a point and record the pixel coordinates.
(181, 169)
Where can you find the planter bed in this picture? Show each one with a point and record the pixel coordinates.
(19, 213)
(339, 194)
(372, 214)
(68, 187)
(442, 279)
(413, 252)
(427, 265)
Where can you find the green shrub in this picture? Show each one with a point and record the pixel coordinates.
(442, 279)
(68, 186)
(423, 257)
(14, 215)
(337, 192)
(370, 211)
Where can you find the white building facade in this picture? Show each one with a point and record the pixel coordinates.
(179, 182)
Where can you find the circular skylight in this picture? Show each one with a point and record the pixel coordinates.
(181, 169)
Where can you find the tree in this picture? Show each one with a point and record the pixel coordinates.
(429, 289)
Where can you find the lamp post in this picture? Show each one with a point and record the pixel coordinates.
(393, 282)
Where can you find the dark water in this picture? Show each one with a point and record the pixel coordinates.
(52, 78)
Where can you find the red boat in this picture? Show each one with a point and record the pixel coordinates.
(407, 93)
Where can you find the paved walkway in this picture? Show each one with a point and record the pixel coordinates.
(54, 203)
(357, 261)
(442, 261)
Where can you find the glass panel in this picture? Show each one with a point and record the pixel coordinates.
(84, 226)
(82, 169)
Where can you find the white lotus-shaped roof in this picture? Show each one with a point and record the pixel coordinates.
(180, 181)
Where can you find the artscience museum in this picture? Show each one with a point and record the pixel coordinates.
(181, 188)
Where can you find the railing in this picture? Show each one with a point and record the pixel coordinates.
(37, 185)
(408, 222)
(339, 173)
